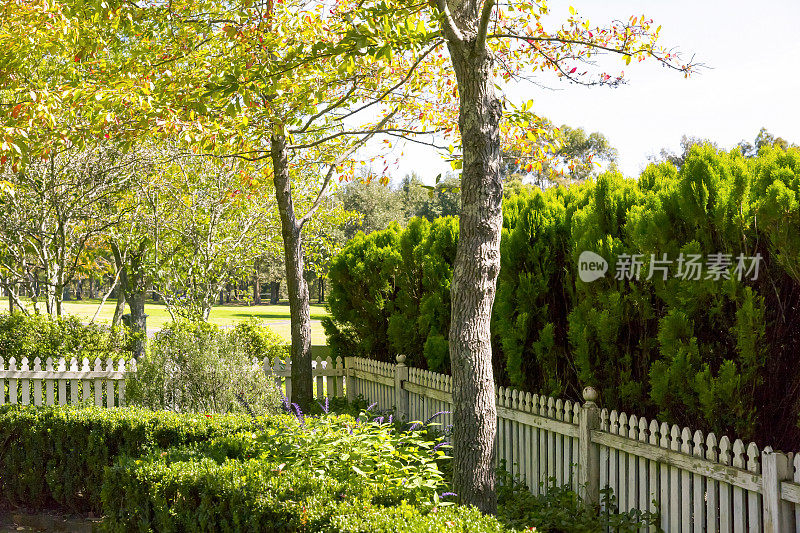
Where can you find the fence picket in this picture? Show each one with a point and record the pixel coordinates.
(739, 507)
(674, 483)
(686, 484)
(712, 487)
(26, 384)
(664, 479)
(37, 384)
(698, 483)
(643, 500)
(12, 383)
(754, 504)
(74, 384)
(725, 489)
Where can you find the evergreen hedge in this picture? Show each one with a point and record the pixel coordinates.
(712, 354)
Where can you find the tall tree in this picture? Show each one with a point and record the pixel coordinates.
(518, 36)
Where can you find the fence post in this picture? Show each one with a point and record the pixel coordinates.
(775, 468)
(350, 379)
(588, 453)
(400, 394)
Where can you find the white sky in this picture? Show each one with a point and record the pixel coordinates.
(752, 49)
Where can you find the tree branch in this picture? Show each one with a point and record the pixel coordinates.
(332, 168)
(449, 25)
(486, 15)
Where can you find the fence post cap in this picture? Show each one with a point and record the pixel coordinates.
(589, 394)
(401, 359)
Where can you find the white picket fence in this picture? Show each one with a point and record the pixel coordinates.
(61, 382)
(66, 382)
(698, 483)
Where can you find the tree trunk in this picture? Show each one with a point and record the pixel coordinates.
(476, 265)
(299, 305)
(122, 287)
(321, 289)
(119, 310)
(133, 283)
(274, 292)
(256, 284)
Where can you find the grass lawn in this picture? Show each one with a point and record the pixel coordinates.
(275, 316)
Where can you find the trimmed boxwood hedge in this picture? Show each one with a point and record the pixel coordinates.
(157, 494)
(56, 456)
(161, 471)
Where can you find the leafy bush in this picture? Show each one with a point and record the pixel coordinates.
(46, 336)
(561, 509)
(706, 353)
(157, 494)
(259, 341)
(55, 456)
(160, 471)
(197, 367)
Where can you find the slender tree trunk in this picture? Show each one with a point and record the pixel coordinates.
(256, 284)
(119, 310)
(122, 286)
(133, 282)
(274, 292)
(477, 264)
(321, 289)
(299, 305)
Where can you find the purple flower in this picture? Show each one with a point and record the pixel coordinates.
(446, 494)
(444, 443)
(285, 401)
(390, 420)
(415, 426)
(299, 414)
(325, 408)
(434, 415)
(371, 406)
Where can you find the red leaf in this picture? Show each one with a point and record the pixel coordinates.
(573, 70)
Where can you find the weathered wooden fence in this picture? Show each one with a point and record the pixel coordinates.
(698, 483)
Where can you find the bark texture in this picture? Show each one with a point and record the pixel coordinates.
(133, 287)
(477, 263)
(256, 284)
(299, 304)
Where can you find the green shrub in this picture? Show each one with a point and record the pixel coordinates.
(259, 341)
(332, 473)
(711, 354)
(46, 336)
(197, 367)
(55, 456)
(560, 509)
(390, 294)
(157, 494)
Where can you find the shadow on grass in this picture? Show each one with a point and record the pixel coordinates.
(282, 316)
